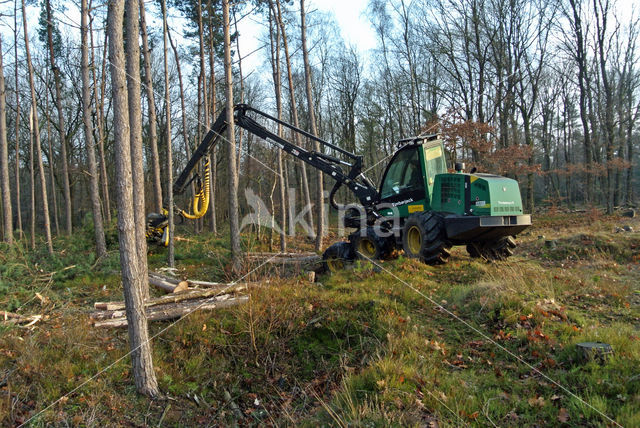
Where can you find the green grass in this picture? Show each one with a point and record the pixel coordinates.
(369, 346)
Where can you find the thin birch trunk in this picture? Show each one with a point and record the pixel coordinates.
(212, 104)
(314, 130)
(234, 228)
(17, 88)
(32, 178)
(52, 178)
(171, 261)
(153, 133)
(94, 187)
(185, 137)
(99, 100)
(66, 187)
(294, 113)
(4, 159)
(277, 82)
(36, 134)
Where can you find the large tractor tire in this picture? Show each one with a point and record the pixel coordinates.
(337, 257)
(499, 249)
(367, 244)
(424, 237)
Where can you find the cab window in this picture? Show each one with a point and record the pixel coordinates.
(436, 163)
(404, 175)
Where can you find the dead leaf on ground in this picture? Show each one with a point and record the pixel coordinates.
(563, 415)
(536, 401)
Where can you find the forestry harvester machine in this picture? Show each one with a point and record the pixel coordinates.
(420, 207)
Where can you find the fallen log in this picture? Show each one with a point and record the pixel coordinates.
(167, 278)
(205, 283)
(167, 286)
(167, 312)
(263, 254)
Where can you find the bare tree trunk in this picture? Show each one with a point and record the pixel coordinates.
(231, 147)
(314, 130)
(197, 222)
(171, 260)
(99, 99)
(153, 134)
(134, 277)
(294, 112)
(277, 82)
(17, 89)
(135, 131)
(185, 137)
(52, 177)
(213, 115)
(94, 187)
(5, 188)
(66, 187)
(235, 24)
(32, 180)
(36, 133)
(207, 112)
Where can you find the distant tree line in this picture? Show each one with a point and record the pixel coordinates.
(546, 92)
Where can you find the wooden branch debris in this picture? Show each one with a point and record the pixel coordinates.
(13, 318)
(176, 310)
(175, 298)
(180, 302)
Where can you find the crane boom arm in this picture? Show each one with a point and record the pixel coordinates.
(352, 178)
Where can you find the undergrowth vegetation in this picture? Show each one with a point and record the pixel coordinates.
(400, 343)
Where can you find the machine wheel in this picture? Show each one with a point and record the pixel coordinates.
(369, 245)
(474, 250)
(337, 257)
(424, 237)
(499, 249)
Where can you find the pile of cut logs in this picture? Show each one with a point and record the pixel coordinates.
(181, 301)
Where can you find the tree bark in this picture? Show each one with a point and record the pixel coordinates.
(185, 137)
(171, 261)
(99, 100)
(36, 135)
(314, 130)
(66, 187)
(231, 147)
(135, 132)
(17, 127)
(52, 176)
(153, 134)
(277, 82)
(5, 188)
(134, 277)
(94, 187)
(294, 113)
(213, 115)
(32, 182)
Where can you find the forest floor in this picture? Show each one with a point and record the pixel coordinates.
(400, 344)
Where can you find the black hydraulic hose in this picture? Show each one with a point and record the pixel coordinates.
(332, 197)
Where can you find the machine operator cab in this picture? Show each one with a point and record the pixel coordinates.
(407, 184)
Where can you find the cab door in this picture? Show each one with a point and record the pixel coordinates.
(402, 191)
